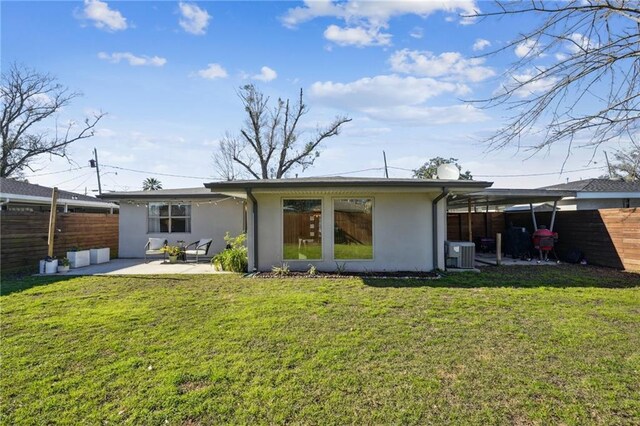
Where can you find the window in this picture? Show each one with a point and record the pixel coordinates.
(353, 228)
(169, 217)
(302, 232)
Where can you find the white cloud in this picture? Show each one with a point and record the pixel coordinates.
(527, 48)
(425, 115)
(561, 56)
(136, 61)
(370, 16)
(103, 17)
(266, 74)
(194, 20)
(417, 32)
(450, 65)
(357, 36)
(580, 43)
(212, 72)
(527, 84)
(380, 91)
(481, 44)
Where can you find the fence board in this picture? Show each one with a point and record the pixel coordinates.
(24, 236)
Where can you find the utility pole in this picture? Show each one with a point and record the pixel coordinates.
(386, 171)
(94, 163)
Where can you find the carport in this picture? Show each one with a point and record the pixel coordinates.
(497, 200)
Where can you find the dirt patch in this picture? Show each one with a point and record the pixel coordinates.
(192, 386)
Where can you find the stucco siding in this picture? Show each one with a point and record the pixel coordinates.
(402, 229)
(207, 221)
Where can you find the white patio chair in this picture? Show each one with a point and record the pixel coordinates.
(155, 247)
(201, 247)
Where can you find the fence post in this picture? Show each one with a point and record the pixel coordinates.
(52, 220)
(498, 249)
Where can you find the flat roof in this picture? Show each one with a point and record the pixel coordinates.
(344, 182)
(163, 194)
(505, 196)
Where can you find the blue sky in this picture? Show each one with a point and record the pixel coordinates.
(167, 74)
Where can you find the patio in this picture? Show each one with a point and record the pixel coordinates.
(139, 267)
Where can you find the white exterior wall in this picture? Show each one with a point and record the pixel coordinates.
(207, 221)
(402, 230)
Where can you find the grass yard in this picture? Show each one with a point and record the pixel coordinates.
(527, 345)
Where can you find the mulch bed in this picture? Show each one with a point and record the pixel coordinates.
(408, 275)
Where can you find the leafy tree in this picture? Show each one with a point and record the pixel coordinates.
(151, 184)
(578, 76)
(30, 101)
(269, 144)
(429, 169)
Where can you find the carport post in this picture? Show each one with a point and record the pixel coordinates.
(533, 217)
(553, 215)
(469, 220)
(498, 249)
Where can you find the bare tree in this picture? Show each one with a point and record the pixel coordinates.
(268, 146)
(578, 78)
(29, 101)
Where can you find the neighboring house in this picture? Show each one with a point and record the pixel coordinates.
(594, 194)
(187, 214)
(361, 224)
(22, 196)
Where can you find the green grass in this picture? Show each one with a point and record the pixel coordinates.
(532, 345)
(311, 251)
(341, 251)
(353, 251)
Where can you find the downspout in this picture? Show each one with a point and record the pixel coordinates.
(254, 210)
(434, 221)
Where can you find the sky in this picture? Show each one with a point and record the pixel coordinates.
(167, 75)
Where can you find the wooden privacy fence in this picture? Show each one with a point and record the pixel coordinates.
(607, 237)
(24, 236)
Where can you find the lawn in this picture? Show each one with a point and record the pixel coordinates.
(530, 345)
(340, 251)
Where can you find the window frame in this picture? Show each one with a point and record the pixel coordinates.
(373, 228)
(322, 213)
(169, 216)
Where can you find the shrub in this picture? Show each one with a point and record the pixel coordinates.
(281, 271)
(234, 258)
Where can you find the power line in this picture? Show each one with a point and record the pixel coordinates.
(157, 173)
(73, 178)
(57, 172)
(355, 171)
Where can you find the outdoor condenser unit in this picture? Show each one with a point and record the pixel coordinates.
(460, 254)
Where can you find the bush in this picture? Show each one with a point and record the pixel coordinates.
(234, 258)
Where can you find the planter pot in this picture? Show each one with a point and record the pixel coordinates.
(101, 255)
(63, 268)
(41, 269)
(173, 259)
(78, 259)
(51, 266)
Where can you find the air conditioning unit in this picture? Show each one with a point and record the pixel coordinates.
(460, 254)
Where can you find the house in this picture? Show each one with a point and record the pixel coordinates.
(23, 196)
(359, 224)
(595, 194)
(186, 214)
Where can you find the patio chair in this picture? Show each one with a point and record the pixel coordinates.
(155, 247)
(200, 248)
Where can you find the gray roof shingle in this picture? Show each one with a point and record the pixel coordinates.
(11, 186)
(597, 185)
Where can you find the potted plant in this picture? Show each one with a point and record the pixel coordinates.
(63, 265)
(173, 252)
(50, 265)
(78, 257)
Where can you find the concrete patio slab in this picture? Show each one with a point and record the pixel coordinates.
(485, 259)
(139, 267)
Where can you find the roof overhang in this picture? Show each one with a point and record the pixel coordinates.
(33, 199)
(273, 186)
(505, 197)
(151, 196)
